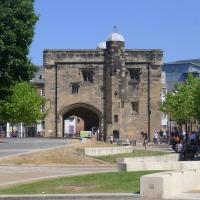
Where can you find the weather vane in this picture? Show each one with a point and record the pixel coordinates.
(115, 29)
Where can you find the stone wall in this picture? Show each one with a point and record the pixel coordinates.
(69, 66)
(101, 151)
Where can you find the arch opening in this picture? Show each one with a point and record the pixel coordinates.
(80, 118)
(115, 134)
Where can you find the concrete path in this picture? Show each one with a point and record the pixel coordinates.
(13, 174)
(13, 146)
(99, 196)
(189, 196)
(116, 196)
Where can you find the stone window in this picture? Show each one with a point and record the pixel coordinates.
(75, 87)
(42, 92)
(43, 108)
(114, 70)
(88, 75)
(135, 75)
(135, 107)
(42, 76)
(116, 118)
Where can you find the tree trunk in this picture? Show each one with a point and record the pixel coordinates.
(186, 127)
(12, 129)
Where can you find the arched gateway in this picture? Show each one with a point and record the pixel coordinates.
(120, 89)
(90, 117)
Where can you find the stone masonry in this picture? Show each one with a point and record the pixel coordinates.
(107, 87)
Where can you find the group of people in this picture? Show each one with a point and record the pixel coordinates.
(158, 137)
(161, 136)
(186, 143)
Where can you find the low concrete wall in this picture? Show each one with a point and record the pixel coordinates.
(169, 184)
(101, 151)
(165, 162)
(163, 165)
(169, 157)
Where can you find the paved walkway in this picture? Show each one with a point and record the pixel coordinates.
(99, 196)
(116, 196)
(13, 146)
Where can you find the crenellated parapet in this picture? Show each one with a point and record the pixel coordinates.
(72, 56)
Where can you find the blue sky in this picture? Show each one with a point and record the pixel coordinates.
(170, 25)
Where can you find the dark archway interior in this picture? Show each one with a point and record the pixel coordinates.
(90, 118)
(115, 134)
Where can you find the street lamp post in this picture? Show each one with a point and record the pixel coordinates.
(56, 99)
(148, 100)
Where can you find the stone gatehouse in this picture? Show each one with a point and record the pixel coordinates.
(112, 88)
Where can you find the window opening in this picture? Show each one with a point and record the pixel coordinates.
(75, 87)
(135, 74)
(88, 75)
(135, 106)
(115, 118)
(42, 92)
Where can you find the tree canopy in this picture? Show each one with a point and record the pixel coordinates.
(17, 21)
(183, 104)
(24, 105)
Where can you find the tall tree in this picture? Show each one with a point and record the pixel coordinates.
(183, 104)
(17, 21)
(24, 105)
(196, 99)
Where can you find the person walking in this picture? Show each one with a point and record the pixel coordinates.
(111, 139)
(145, 143)
(155, 137)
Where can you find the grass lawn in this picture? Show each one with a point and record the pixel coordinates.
(100, 182)
(136, 153)
(70, 155)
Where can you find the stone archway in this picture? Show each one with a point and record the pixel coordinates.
(90, 115)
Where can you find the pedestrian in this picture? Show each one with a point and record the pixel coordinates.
(111, 139)
(145, 140)
(155, 137)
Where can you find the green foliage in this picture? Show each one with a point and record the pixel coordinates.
(17, 21)
(197, 104)
(24, 105)
(183, 104)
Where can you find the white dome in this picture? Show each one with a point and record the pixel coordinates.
(115, 37)
(101, 45)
